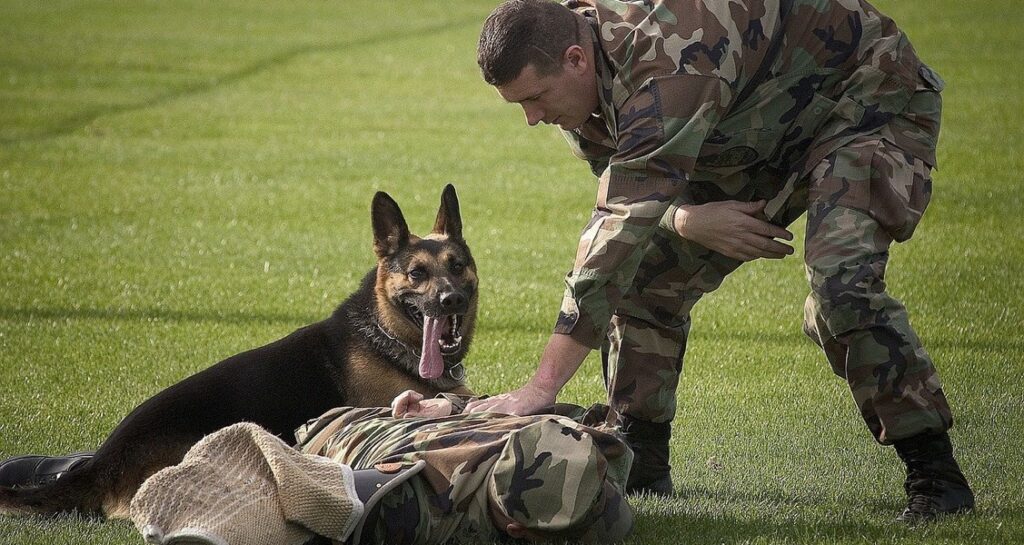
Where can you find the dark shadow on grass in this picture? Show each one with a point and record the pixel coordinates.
(874, 522)
(796, 337)
(882, 508)
(151, 315)
(725, 530)
(81, 120)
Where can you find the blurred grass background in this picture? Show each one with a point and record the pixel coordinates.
(180, 181)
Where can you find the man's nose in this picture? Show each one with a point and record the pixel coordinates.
(534, 115)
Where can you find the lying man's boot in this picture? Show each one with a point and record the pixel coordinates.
(650, 472)
(935, 485)
(32, 470)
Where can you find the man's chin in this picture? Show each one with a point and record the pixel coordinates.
(569, 125)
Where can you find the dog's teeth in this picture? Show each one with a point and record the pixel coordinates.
(458, 340)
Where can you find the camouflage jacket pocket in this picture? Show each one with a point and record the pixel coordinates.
(823, 119)
(827, 124)
(726, 153)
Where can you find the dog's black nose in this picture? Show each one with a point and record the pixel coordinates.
(453, 301)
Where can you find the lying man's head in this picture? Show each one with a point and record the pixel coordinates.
(550, 483)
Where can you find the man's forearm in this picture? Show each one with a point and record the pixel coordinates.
(562, 357)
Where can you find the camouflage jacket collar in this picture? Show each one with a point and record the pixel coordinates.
(600, 127)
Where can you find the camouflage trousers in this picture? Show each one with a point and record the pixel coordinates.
(859, 200)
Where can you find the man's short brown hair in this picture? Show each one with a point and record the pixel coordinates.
(522, 32)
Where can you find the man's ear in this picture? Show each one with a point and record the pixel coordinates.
(574, 58)
(390, 232)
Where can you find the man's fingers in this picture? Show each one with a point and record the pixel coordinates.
(400, 406)
(756, 247)
(475, 406)
(759, 225)
(411, 397)
(764, 228)
(747, 252)
(750, 208)
(429, 408)
(492, 404)
(774, 231)
(397, 404)
(764, 248)
(773, 249)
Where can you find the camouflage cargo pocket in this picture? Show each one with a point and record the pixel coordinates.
(877, 177)
(901, 187)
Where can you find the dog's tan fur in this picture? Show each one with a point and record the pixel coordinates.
(365, 354)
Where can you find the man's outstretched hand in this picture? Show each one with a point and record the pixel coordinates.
(561, 358)
(410, 403)
(734, 229)
(527, 400)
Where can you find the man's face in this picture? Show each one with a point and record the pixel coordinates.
(565, 98)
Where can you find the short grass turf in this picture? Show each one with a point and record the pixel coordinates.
(185, 180)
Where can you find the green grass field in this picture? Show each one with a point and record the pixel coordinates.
(180, 181)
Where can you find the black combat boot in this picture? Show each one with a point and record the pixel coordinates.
(30, 471)
(935, 485)
(649, 441)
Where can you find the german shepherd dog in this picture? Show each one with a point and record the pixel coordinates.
(408, 327)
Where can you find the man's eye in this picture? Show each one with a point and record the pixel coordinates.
(417, 274)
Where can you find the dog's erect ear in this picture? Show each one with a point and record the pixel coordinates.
(390, 232)
(449, 221)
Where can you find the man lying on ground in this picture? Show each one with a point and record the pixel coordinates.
(370, 476)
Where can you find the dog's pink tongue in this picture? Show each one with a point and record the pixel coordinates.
(431, 362)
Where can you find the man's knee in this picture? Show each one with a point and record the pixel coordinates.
(846, 296)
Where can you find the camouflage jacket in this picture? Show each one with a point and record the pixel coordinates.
(448, 501)
(706, 101)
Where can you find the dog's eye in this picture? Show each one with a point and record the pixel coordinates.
(457, 267)
(417, 274)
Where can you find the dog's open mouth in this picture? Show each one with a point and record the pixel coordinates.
(442, 336)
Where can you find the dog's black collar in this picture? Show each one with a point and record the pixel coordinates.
(457, 372)
(388, 334)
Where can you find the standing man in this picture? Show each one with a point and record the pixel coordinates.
(712, 126)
